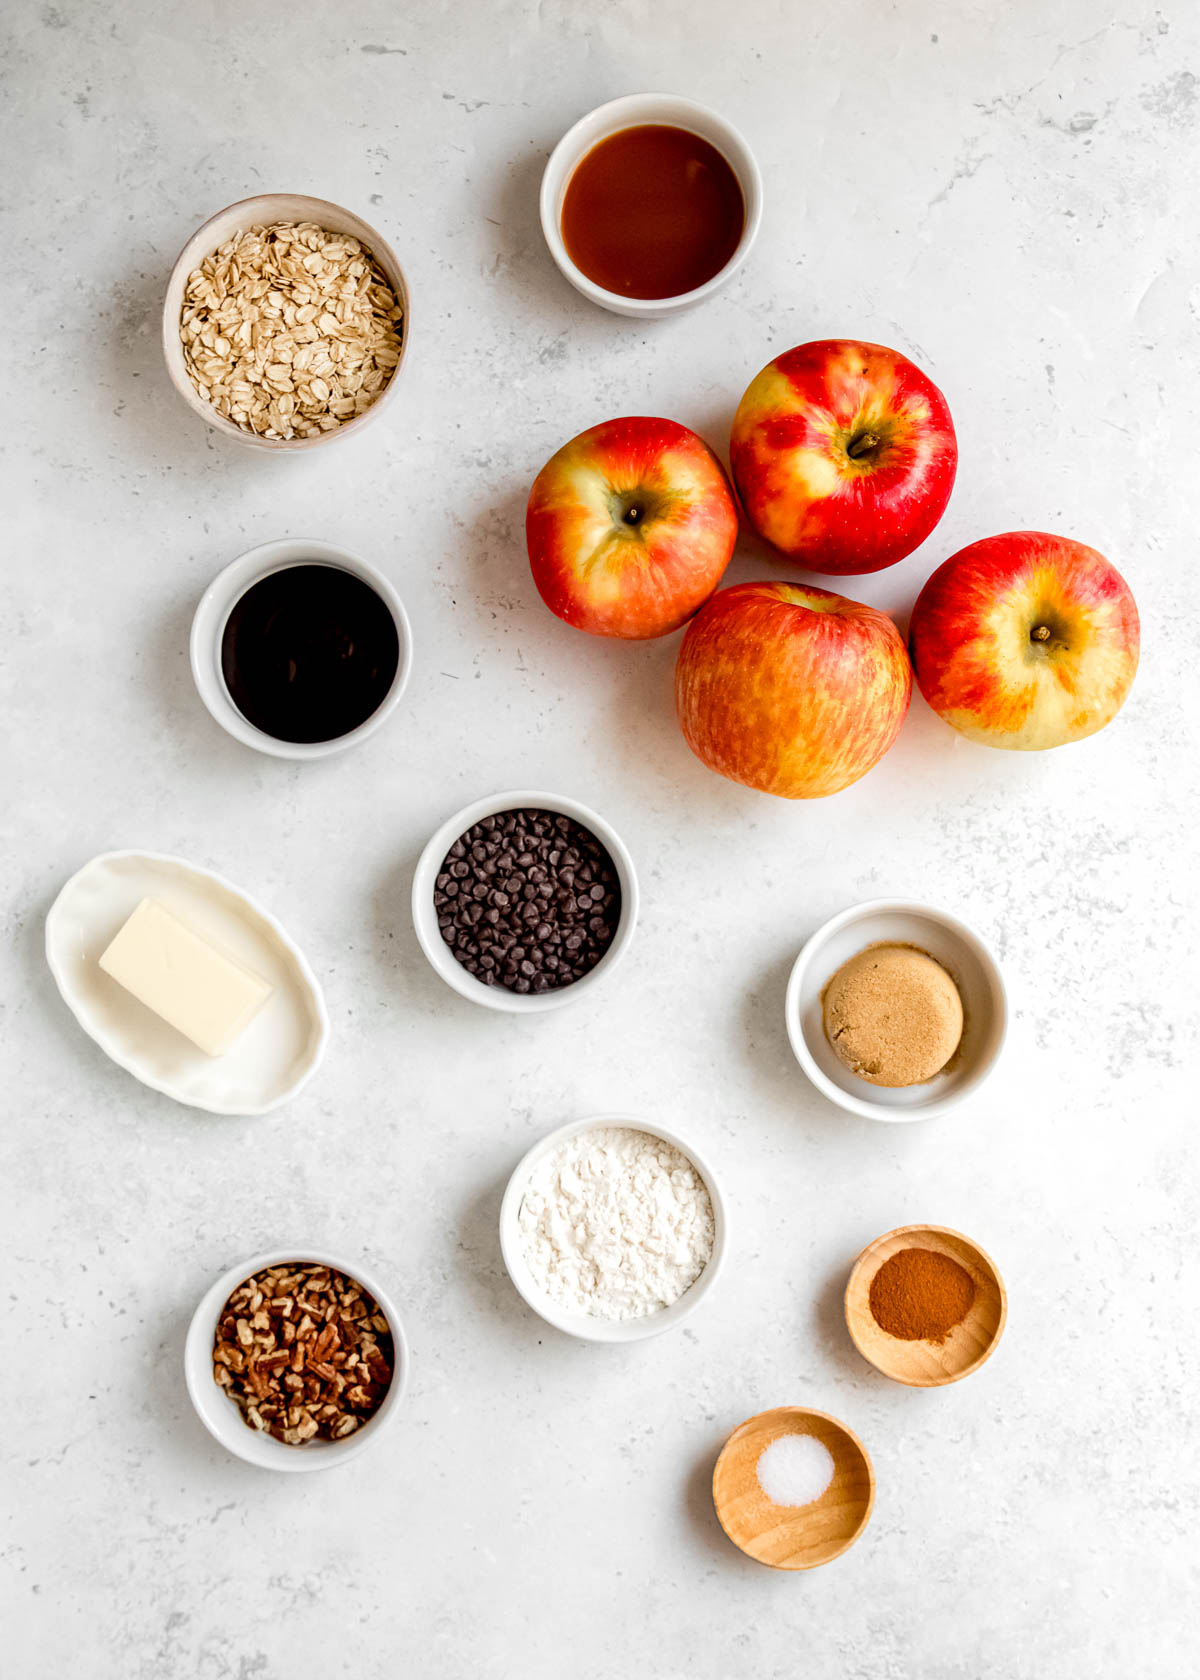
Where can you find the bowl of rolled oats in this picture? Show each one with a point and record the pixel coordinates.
(286, 322)
(295, 1364)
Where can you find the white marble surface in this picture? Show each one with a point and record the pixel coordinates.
(1005, 192)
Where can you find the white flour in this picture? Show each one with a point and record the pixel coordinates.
(616, 1223)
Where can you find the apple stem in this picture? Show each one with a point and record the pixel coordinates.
(862, 444)
(1041, 634)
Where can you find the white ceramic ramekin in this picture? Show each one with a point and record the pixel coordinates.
(964, 956)
(630, 112)
(220, 1415)
(257, 212)
(219, 600)
(582, 1325)
(439, 953)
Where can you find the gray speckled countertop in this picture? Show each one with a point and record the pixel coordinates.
(1004, 192)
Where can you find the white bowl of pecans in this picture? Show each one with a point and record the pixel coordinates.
(296, 1364)
(286, 322)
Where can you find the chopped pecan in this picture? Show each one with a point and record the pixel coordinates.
(304, 1352)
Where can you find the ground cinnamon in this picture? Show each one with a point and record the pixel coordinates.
(919, 1296)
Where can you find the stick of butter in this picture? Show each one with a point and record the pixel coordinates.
(207, 996)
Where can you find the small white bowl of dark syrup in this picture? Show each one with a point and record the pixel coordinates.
(300, 649)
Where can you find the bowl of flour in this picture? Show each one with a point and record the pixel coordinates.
(612, 1229)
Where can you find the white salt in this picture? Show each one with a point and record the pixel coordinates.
(795, 1469)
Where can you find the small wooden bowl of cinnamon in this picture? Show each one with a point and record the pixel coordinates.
(925, 1305)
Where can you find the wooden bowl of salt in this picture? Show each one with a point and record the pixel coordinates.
(925, 1305)
(793, 1488)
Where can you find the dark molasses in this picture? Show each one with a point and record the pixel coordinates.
(309, 653)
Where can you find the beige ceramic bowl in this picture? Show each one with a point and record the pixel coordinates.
(256, 212)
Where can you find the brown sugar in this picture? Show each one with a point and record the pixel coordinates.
(893, 1015)
(919, 1295)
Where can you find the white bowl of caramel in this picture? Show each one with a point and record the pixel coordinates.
(650, 204)
(895, 1010)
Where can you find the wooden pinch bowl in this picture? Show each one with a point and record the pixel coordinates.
(969, 1344)
(793, 1536)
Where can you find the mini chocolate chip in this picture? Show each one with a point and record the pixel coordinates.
(527, 900)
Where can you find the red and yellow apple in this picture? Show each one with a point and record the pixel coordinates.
(791, 689)
(1025, 640)
(844, 455)
(629, 527)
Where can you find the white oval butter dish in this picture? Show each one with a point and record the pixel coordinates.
(279, 1050)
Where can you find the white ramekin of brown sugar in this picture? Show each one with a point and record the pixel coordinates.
(960, 952)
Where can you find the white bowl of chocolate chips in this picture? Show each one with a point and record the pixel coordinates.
(525, 901)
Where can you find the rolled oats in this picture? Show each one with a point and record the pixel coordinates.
(290, 330)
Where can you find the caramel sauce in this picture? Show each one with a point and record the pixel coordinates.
(652, 212)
